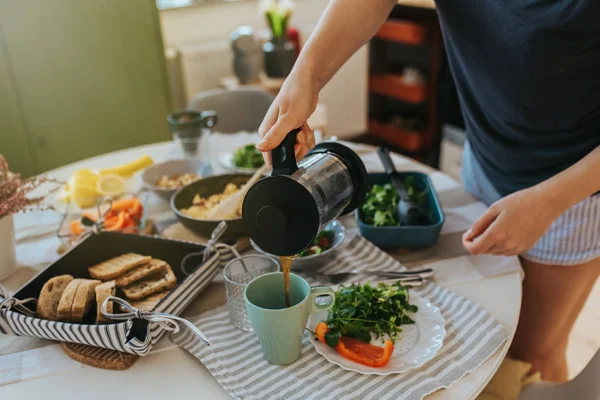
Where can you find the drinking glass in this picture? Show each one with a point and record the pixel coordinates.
(191, 132)
(237, 275)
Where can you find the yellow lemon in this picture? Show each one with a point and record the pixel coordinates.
(84, 196)
(110, 185)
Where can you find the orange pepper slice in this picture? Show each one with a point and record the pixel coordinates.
(76, 227)
(124, 204)
(115, 223)
(357, 350)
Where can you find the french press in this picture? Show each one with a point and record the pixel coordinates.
(284, 212)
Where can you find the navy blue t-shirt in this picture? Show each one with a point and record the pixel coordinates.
(527, 74)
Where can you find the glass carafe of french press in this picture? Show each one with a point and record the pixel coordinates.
(284, 212)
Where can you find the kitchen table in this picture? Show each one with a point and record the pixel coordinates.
(170, 372)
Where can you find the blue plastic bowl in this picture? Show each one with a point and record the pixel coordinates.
(406, 236)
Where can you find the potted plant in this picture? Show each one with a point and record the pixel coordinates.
(14, 197)
(279, 53)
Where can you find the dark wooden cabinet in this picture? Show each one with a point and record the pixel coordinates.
(402, 114)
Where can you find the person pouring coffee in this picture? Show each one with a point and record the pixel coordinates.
(527, 78)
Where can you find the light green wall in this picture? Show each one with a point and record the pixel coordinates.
(79, 78)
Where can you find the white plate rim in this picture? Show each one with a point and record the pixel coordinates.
(436, 341)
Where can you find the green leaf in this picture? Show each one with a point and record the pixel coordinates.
(364, 336)
(332, 338)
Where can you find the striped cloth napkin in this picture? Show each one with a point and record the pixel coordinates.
(235, 358)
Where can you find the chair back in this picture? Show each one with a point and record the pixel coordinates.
(240, 109)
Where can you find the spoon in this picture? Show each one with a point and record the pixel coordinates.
(409, 213)
(228, 207)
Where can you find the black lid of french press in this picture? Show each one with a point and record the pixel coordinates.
(279, 213)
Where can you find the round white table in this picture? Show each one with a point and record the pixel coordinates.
(170, 372)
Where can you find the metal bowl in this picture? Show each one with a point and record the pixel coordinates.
(206, 187)
(152, 174)
(316, 260)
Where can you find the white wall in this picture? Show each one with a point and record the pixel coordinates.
(208, 27)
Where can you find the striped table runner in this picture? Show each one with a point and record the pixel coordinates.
(235, 358)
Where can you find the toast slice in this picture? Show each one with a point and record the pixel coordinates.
(117, 266)
(157, 283)
(104, 290)
(47, 306)
(155, 266)
(149, 302)
(66, 300)
(84, 299)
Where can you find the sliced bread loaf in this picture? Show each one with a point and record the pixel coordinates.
(117, 266)
(52, 291)
(66, 300)
(84, 299)
(155, 266)
(154, 284)
(102, 292)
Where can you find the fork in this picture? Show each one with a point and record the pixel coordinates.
(407, 278)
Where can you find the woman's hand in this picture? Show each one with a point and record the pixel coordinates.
(292, 107)
(513, 224)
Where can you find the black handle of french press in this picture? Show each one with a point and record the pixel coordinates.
(284, 157)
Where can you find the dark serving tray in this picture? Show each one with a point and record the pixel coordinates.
(101, 247)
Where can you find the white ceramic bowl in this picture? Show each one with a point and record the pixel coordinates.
(316, 260)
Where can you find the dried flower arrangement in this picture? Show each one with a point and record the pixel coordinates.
(15, 190)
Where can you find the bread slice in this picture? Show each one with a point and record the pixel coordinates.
(84, 299)
(47, 306)
(155, 266)
(149, 302)
(117, 266)
(102, 292)
(66, 300)
(157, 283)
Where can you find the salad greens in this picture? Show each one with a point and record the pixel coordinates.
(248, 157)
(380, 205)
(323, 241)
(360, 310)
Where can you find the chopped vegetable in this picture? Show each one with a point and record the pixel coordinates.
(380, 205)
(123, 214)
(248, 157)
(379, 208)
(322, 242)
(362, 310)
(357, 350)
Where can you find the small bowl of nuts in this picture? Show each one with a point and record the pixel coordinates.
(165, 178)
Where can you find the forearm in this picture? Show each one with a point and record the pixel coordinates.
(343, 28)
(576, 183)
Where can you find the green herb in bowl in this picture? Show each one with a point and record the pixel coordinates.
(248, 157)
(380, 205)
(361, 310)
(322, 242)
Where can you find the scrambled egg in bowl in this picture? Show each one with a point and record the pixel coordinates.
(202, 206)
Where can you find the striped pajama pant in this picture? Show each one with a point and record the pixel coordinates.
(573, 238)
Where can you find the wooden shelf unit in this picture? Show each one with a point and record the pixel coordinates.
(414, 27)
(393, 85)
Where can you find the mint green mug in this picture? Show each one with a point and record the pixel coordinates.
(280, 329)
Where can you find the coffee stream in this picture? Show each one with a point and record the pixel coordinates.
(286, 265)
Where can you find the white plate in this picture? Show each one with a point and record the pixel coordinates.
(418, 342)
(226, 161)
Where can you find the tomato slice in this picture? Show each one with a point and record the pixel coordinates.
(357, 350)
